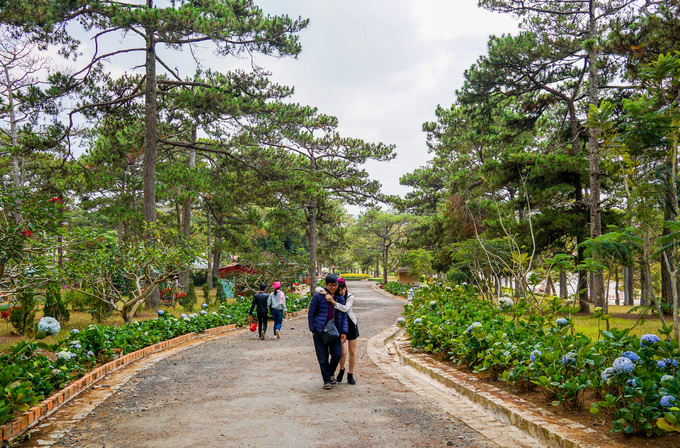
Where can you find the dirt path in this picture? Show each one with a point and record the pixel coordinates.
(240, 391)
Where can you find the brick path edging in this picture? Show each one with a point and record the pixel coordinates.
(531, 421)
(49, 405)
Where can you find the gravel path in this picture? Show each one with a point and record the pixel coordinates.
(243, 392)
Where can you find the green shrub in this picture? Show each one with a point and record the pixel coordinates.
(54, 306)
(189, 300)
(75, 300)
(22, 315)
(220, 296)
(206, 293)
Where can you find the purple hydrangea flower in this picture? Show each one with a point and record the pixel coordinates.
(667, 401)
(535, 354)
(648, 339)
(623, 366)
(631, 355)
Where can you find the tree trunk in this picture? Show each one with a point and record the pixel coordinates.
(312, 244)
(564, 287)
(186, 212)
(597, 283)
(208, 273)
(217, 254)
(616, 286)
(150, 141)
(582, 284)
(628, 285)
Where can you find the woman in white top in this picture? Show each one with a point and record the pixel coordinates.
(350, 346)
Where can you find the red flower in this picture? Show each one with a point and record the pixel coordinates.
(56, 200)
(5, 315)
(25, 231)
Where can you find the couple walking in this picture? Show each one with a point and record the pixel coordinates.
(276, 301)
(334, 304)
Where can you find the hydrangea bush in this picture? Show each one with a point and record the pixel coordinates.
(27, 376)
(631, 377)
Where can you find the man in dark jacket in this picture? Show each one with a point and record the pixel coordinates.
(260, 301)
(321, 311)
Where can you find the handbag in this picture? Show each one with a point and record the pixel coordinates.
(330, 333)
(253, 325)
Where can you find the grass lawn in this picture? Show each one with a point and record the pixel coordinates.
(620, 319)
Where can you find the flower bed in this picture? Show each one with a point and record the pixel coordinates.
(33, 370)
(634, 379)
(396, 288)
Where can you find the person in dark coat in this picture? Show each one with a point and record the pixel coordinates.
(260, 302)
(321, 311)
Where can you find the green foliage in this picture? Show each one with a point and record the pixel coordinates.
(396, 288)
(189, 300)
(542, 351)
(22, 315)
(54, 306)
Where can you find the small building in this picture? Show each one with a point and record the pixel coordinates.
(403, 277)
(234, 268)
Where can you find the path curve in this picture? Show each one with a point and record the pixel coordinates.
(239, 391)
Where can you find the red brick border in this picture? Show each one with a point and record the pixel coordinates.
(49, 405)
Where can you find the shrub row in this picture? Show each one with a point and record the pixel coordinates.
(29, 372)
(634, 380)
(396, 288)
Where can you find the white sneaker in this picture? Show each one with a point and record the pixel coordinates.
(278, 335)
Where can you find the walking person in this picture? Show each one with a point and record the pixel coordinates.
(260, 302)
(320, 312)
(350, 346)
(277, 303)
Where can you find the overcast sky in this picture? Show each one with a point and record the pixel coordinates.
(383, 66)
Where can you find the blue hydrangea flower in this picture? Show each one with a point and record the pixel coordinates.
(90, 354)
(183, 316)
(214, 313)
(666, 378)
(667, 401)
(160, 312)
(648, 339)
(228, 316)
(192, 315)
(661, 364)
(535, 354)
(631, 355)
(607, 373)
(567, 359)
(433, 302)
(203, 312)
(623, 366)
(401, 321)
(205, 305)
(418, 321)
(76, 345)
(631, 382)
(472, 326)
(49, 325)
(75, 331)
(561, 321)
